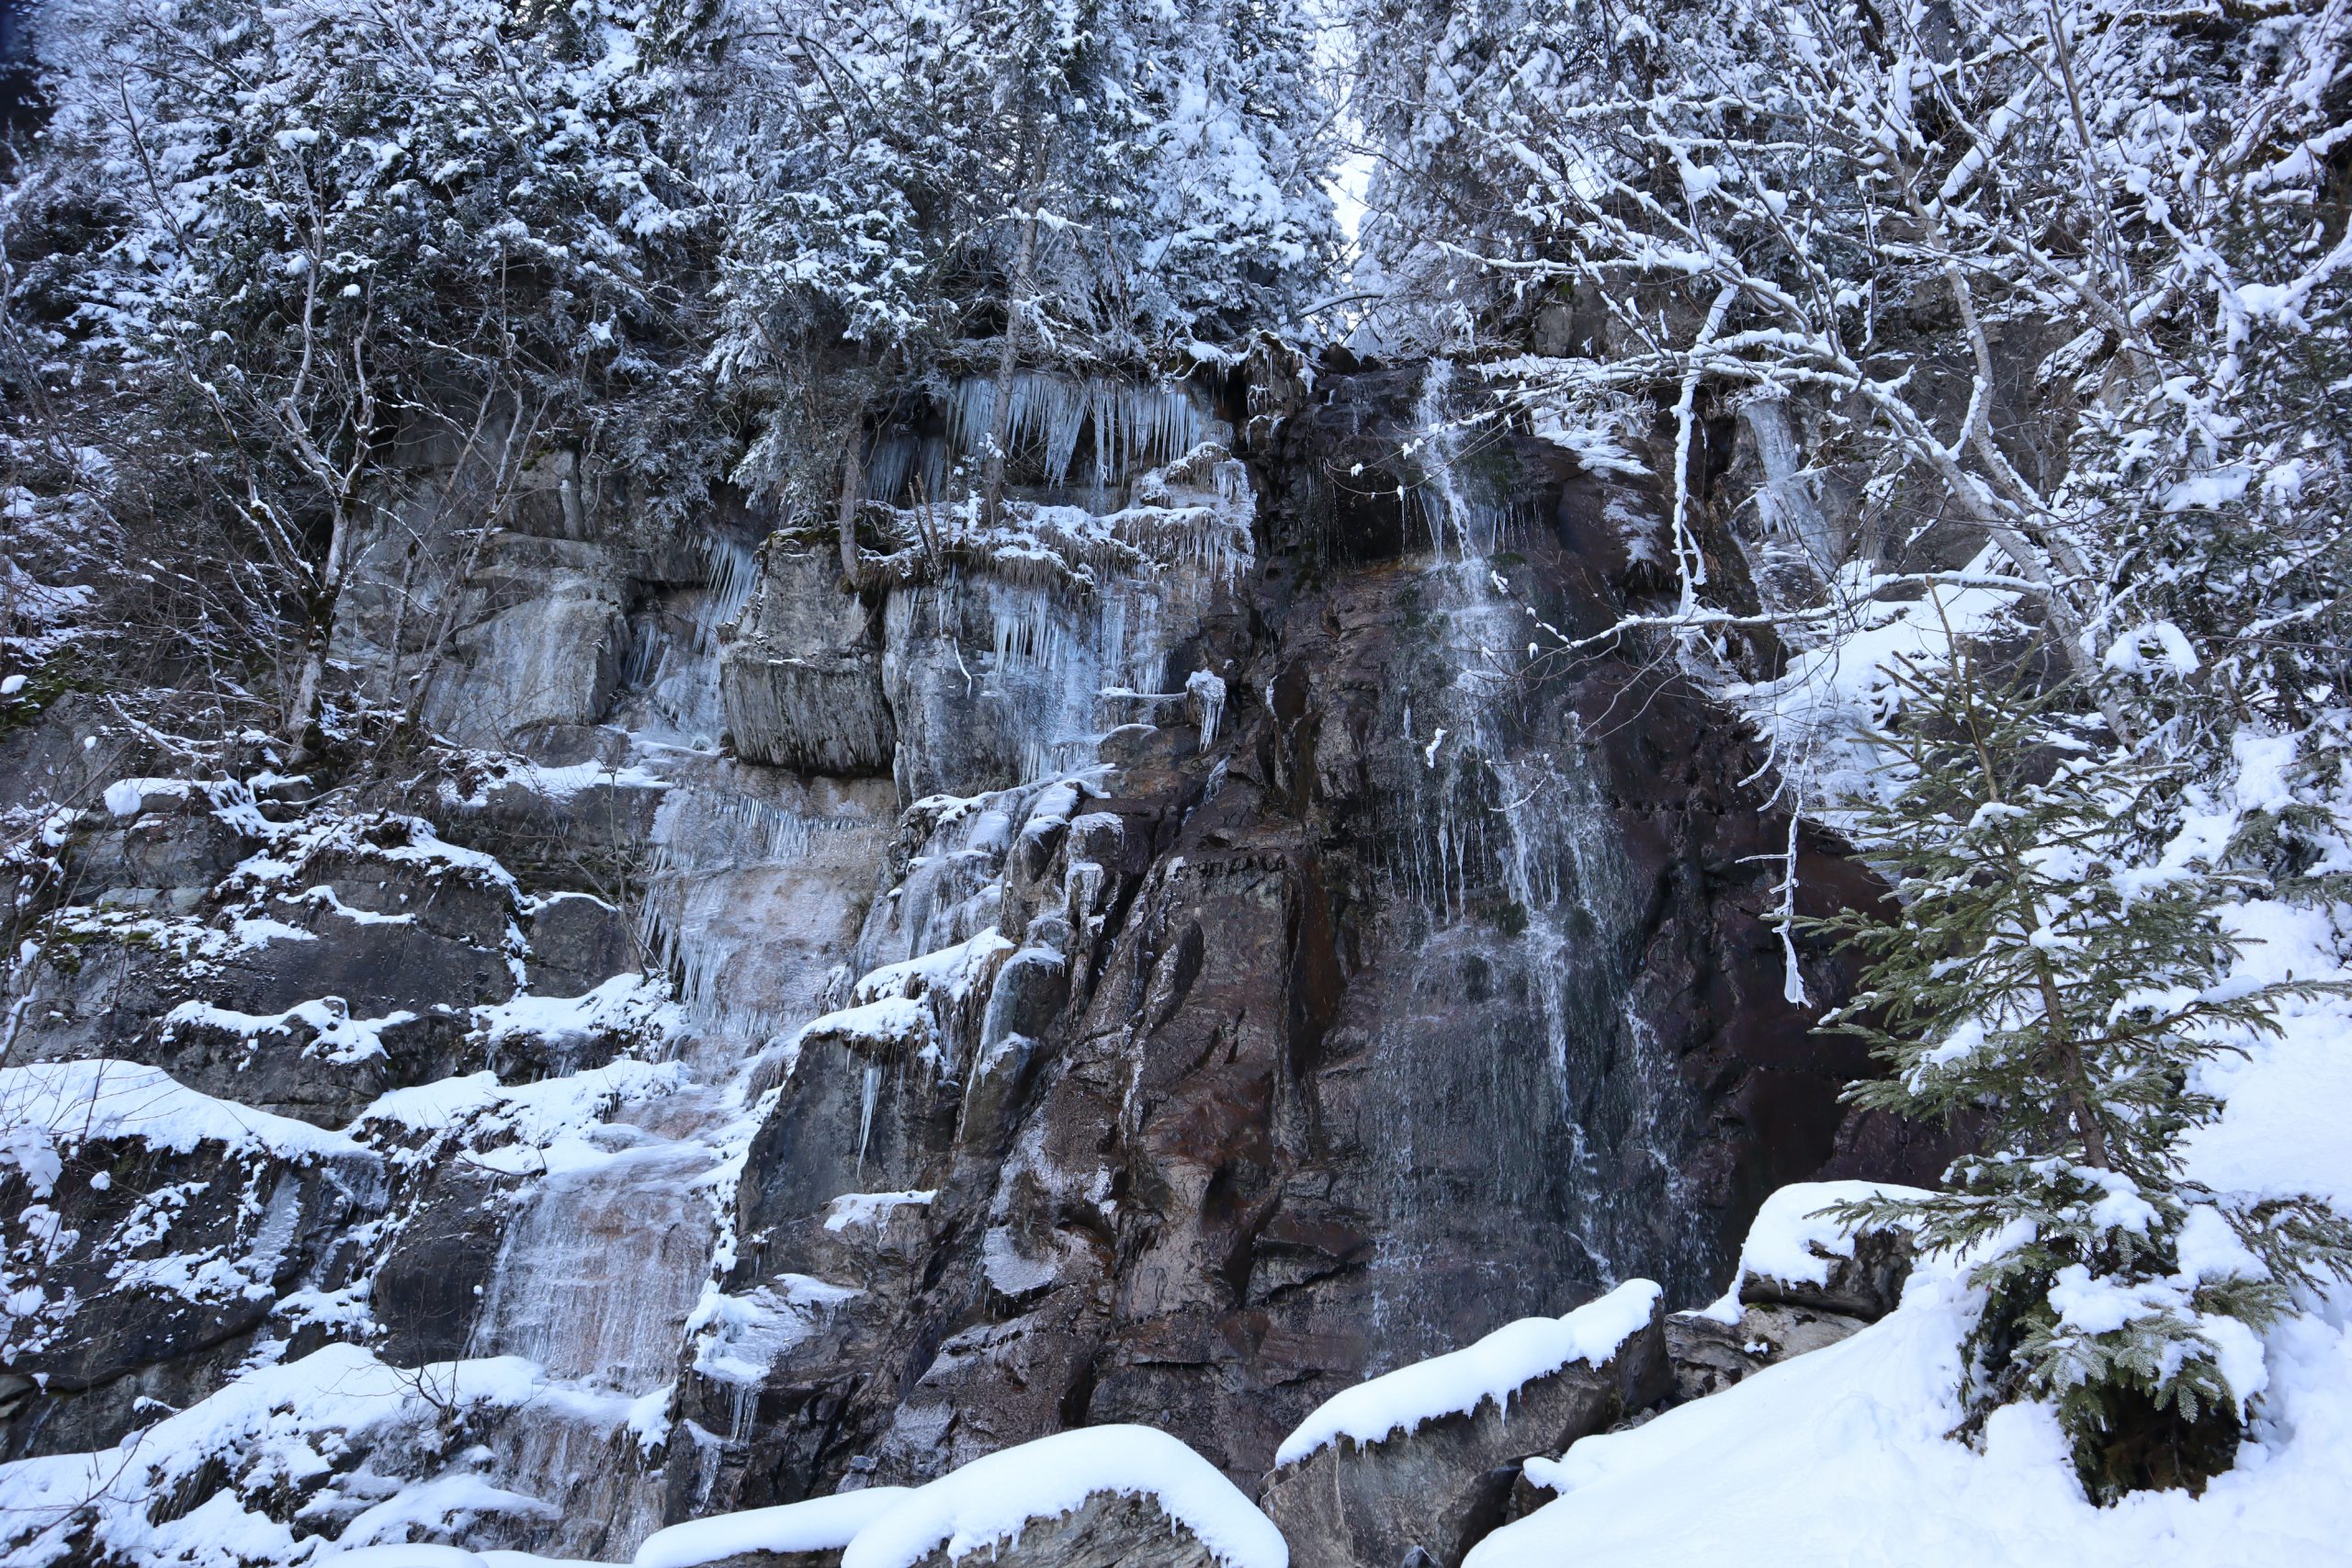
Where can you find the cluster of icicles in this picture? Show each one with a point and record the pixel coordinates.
(1131, 425)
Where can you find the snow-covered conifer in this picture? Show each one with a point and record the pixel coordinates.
(2052, 986)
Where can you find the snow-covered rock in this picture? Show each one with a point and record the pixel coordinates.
(1094, 1497)
(1797, 1255)
(796, 1534)
(1423, 1460)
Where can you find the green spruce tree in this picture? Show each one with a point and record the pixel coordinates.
(2053, 984)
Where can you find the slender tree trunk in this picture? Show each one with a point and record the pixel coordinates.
(302, 730)
(852, 491)
(1016, 303)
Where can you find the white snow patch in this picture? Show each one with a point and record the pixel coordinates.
(626, 1004)
(100, 1097)
(820, 1524)
(867, 1208)
(1795, 1240)
(337, 1036)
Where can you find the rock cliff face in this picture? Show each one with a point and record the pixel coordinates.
(1161, 967)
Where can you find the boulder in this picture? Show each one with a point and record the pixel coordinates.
(1112, 1496)
(1796, 1254)
(801, 680)
(1709, 1354)
(1434, 1485)
(1864, 1284)
(1109, 1529)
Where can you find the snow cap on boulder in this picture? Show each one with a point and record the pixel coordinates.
(988, 1503)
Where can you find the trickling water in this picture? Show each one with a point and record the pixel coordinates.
(752, 890)
(1521, 1036)
(600, 1268)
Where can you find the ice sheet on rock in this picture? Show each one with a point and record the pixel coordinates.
(1494, 1367)
(99, 1097)
(1009, 1269)
(951, 971)
(600, 1267)
(736, 1339)
(820, 1524)
(989, 1501)
(1207, 691)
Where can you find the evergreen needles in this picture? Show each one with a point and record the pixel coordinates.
(2052, 986)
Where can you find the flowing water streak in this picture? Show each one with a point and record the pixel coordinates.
(1508, 848)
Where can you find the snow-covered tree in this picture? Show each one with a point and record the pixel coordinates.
(918, 194)
(2016, 290)
(2051, 984)
(292, 237)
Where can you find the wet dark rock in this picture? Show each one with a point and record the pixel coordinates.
(427, 1291)
(1373, 1038)
(1439, 1488)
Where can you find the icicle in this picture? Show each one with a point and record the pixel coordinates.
(646, 649)
(731, 572)
(1208, 694)
(868, 1093)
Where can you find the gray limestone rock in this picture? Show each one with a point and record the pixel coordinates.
(1109, 1529)
(578, 942)
(543, 628)
(1709, 1355)
(801, 678)
(172, 1263)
